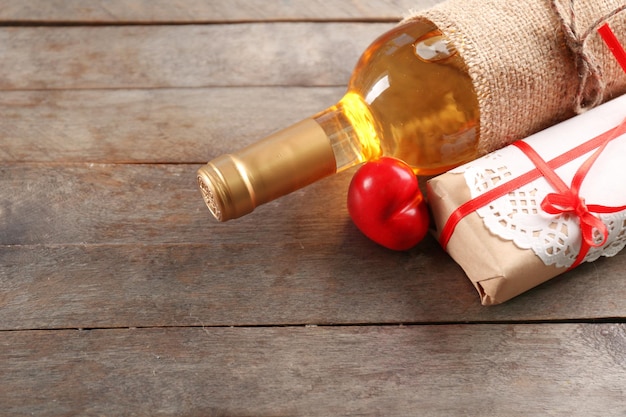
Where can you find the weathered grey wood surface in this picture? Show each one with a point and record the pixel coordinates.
(530, 370)
(121, 296)
(203, 11)
(175, 56)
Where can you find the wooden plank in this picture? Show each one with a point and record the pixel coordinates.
(117, 245)
(264, 283)
(182, 56)
(99, 203)
(147, 126)
(189, 11)
(486, 370)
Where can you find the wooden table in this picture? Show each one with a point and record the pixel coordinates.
(120, 295)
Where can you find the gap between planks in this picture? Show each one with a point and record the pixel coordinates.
(603, 320)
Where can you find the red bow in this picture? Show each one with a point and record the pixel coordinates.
(564, 200)
(568, 200)
(572, 203)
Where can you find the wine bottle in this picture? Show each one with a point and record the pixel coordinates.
(409, 97)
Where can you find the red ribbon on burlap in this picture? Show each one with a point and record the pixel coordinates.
(565, 199)
(612, 42)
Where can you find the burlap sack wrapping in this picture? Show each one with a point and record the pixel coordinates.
(529, 58)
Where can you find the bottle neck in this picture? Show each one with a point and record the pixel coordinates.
(234, 184)
(350, 128)
(335, 139)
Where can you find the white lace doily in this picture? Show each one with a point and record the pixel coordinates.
(518, 216)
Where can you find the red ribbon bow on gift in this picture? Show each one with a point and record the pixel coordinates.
(568, 200)
(564, 200)
(571, 202)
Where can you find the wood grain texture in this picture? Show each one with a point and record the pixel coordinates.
(486, 370)
(107, 108)
(148, 126)
(260, 284)
(155, 203)
(92, 245)
(254, 54)
(205, 11)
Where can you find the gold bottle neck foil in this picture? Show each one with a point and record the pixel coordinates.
(233, 185)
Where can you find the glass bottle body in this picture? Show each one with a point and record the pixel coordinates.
(409, 97)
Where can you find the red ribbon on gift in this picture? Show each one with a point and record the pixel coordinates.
(565, 199)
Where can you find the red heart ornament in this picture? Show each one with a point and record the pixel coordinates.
(386, 204)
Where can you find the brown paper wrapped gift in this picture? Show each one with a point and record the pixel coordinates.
(509, 243)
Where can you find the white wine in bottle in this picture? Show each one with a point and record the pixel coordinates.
(409, 97)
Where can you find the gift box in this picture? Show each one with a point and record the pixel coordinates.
(526, 213)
